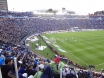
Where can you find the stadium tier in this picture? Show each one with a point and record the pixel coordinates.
(16, 27)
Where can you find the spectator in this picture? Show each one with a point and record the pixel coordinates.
(70, 76)
(56, 66)
(1, 60)
(7, 67)
(47, 73)
(65, 71)
(30, 70)
(102, 75)
(40, 71)
(12, 74)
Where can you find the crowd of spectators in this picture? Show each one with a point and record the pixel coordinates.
(11, 31)
(16, 14)
(30, 65)
(14, 29)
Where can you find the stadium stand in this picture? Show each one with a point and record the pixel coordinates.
(14, 27)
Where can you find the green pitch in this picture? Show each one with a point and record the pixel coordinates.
(83, 48)
(46, 53)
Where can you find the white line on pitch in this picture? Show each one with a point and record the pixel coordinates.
(99, 64)
(75, 56)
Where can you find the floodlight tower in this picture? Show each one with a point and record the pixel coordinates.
(63, 10)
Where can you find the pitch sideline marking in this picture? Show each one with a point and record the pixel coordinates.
(99, 64)
(75, 56)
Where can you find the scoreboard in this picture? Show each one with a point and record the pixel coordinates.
(3, 5)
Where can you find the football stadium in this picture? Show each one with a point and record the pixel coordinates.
(51, 43)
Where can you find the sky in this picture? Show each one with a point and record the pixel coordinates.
(78, 6)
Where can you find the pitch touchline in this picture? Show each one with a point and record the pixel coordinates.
(99, 64)
(75, 56)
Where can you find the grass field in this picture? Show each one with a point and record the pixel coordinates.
(42, 52)
(83, 48)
